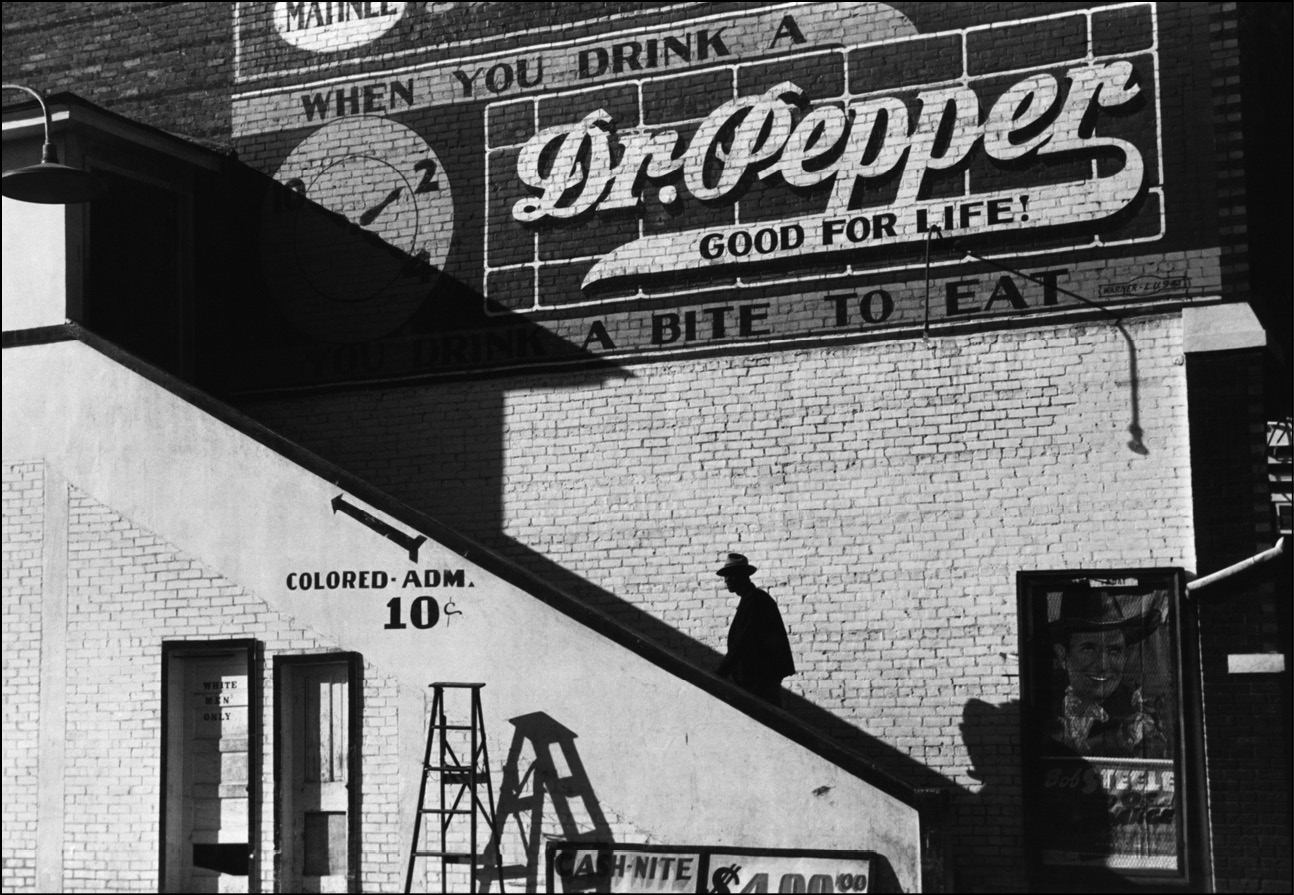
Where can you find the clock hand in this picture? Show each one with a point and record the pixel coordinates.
(369, 216)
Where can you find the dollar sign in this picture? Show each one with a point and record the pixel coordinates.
(723, 876)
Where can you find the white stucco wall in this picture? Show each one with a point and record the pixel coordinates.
(35, 269)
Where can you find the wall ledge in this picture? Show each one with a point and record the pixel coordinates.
(1225, 327)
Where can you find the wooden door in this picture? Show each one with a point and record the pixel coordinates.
(207, 838)
(316, 769)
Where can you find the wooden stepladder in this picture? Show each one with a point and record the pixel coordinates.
(459, 757)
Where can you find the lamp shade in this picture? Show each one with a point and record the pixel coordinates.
(49, 182)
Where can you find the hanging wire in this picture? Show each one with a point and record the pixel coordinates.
(1135, 444)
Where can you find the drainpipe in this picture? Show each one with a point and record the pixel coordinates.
(1265, 556)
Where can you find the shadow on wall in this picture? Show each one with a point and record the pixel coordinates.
(1077, 819)
(330, 294)
(543, 771)
(544, 777)
(1136, 443)
(276, 326)
(441, 450)
(992, 737)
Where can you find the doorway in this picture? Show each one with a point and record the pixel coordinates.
(317, 722)
(210, 766)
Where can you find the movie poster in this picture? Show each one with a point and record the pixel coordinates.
(1103, 722)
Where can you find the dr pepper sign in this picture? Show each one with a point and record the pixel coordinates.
(628, 182)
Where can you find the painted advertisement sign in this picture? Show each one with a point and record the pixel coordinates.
(1104, 716)
(586, 867)
(333, 27)
(644, 183)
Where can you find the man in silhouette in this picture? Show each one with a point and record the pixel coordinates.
(759, 653)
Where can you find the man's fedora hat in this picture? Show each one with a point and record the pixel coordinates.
(1091, 609)
(736, 565)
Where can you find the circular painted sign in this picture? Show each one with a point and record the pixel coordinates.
(356, 239)
(331, 27)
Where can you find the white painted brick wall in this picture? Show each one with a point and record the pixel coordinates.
(889, 493)
(24, 497)
(129, 591)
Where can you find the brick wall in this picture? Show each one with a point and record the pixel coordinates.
(1229, 150)
(888, 492)
(127, 592)
(24, 509)
(1247, 715)
(165, 64)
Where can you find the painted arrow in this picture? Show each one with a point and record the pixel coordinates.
(408, 542)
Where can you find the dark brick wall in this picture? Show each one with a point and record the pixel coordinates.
(1247, 716)
(1224, 46)
(169, 65)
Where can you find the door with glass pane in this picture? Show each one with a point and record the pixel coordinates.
(317, 772)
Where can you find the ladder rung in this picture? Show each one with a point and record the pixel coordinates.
(452, 857)
(462, 777)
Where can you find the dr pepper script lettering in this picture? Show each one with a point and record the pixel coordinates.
(589, 167)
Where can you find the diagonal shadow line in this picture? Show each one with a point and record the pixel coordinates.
(705, 658)
(806, 724)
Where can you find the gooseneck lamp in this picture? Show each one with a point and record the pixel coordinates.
(49, 182)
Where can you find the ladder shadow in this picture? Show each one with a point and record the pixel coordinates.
(543, 769)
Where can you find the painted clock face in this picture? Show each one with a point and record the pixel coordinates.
(357, 247)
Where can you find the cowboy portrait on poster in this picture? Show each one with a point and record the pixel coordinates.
(1107, 738)
(1105, 709)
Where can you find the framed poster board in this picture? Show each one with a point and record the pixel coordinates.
(620, 867)
(1113, 790)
